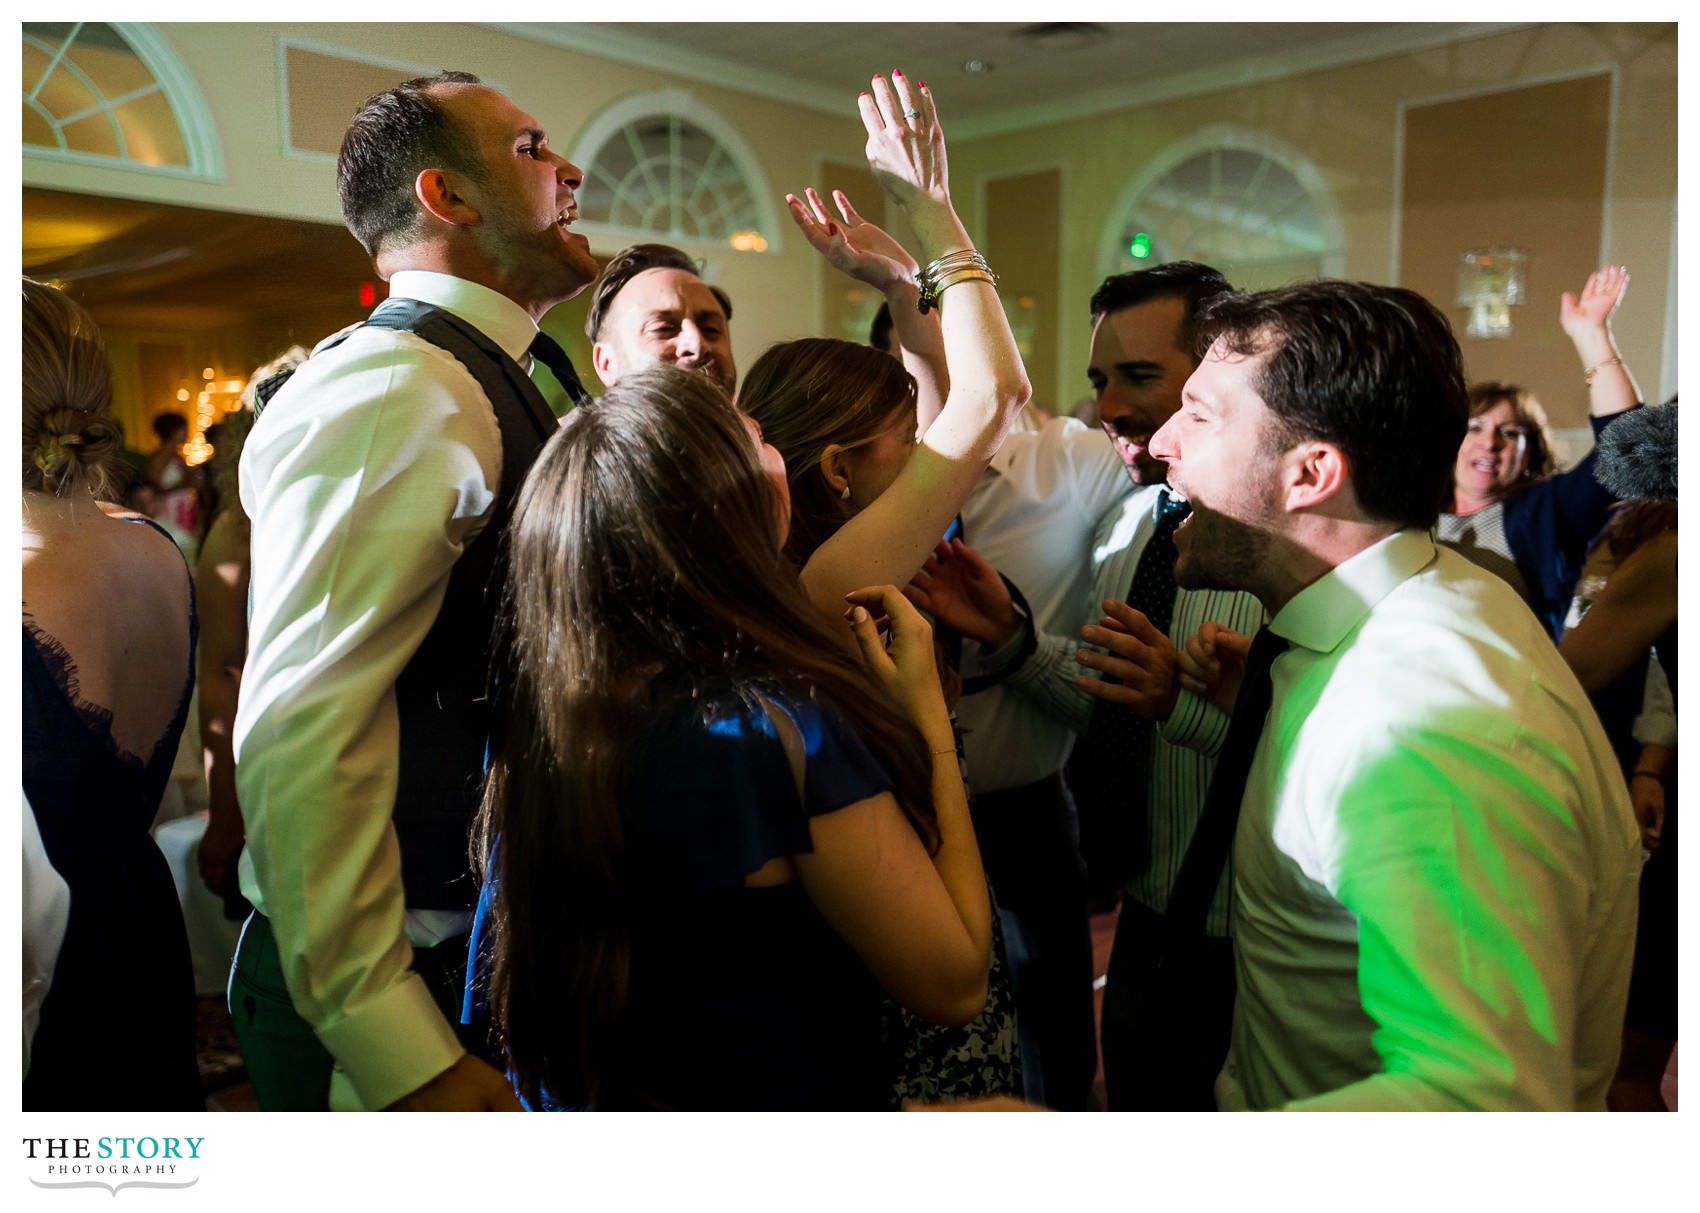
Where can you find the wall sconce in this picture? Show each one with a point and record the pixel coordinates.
(1490, 283)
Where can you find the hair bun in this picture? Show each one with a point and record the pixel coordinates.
(74, 445)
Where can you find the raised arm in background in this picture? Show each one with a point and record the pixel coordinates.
(888, 541)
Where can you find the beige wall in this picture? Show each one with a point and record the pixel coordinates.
(1347, 121)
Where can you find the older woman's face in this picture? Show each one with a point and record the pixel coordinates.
(1494, 453)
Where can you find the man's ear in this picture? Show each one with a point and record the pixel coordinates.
(1313, 472)
(603, 361)
(438, 192)
(833, 469)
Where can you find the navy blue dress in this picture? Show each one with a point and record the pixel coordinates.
(739, 998)
(1549, 526)
(742, 998)
(118, 1025)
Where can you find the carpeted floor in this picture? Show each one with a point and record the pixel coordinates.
(216, 1052)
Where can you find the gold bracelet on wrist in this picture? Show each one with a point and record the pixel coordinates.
(951, 751)
(965, 265)
(967, 275)
(1588, 373)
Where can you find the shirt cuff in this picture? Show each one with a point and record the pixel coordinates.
(1196, 724)
(393, 1045)
(999, 659)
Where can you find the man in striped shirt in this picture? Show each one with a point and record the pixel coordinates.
(1156, 1055)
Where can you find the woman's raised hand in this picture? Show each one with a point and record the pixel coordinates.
(851, 244)
(1600, 297)
(905, 143)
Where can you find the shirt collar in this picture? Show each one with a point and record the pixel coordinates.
(490, 312)
(1322, 614)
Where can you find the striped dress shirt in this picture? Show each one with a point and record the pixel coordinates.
(1183, 751)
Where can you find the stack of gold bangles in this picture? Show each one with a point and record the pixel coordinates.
(965, 266)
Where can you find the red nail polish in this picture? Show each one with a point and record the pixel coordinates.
(897, 71)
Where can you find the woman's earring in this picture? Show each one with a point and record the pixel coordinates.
(845, 495)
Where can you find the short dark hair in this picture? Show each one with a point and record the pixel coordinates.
(1190, 281)
(169, 422)
(1375, 370)
(627, 264)
(879, 333)
(395, 136)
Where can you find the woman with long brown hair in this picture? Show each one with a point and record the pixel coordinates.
(717, 830)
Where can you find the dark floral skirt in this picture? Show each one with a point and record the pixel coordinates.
(982, 1057)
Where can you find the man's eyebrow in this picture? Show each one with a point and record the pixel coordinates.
(1140, 365)
(532, 135)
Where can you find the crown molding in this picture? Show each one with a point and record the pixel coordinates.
(621, 47)
(1356, 48)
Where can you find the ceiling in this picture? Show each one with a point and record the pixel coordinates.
(145, 264)
(1038, 72)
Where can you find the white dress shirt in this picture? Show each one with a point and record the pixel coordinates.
(1032, 514)
(1183, 748)
(366, 478)
(1436, 862)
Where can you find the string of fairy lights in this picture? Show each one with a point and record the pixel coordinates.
(208, 404)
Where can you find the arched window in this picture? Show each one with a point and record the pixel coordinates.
(114, 94)
(1248, 204)
(661, 166)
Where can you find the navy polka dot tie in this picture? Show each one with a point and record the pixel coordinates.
(1109, 770)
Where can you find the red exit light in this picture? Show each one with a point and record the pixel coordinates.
(368, 294)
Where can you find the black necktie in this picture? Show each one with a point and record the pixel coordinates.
(1109, 771)
(1207, 856)
(548, 351)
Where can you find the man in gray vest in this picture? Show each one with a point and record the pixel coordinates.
(379, 480)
